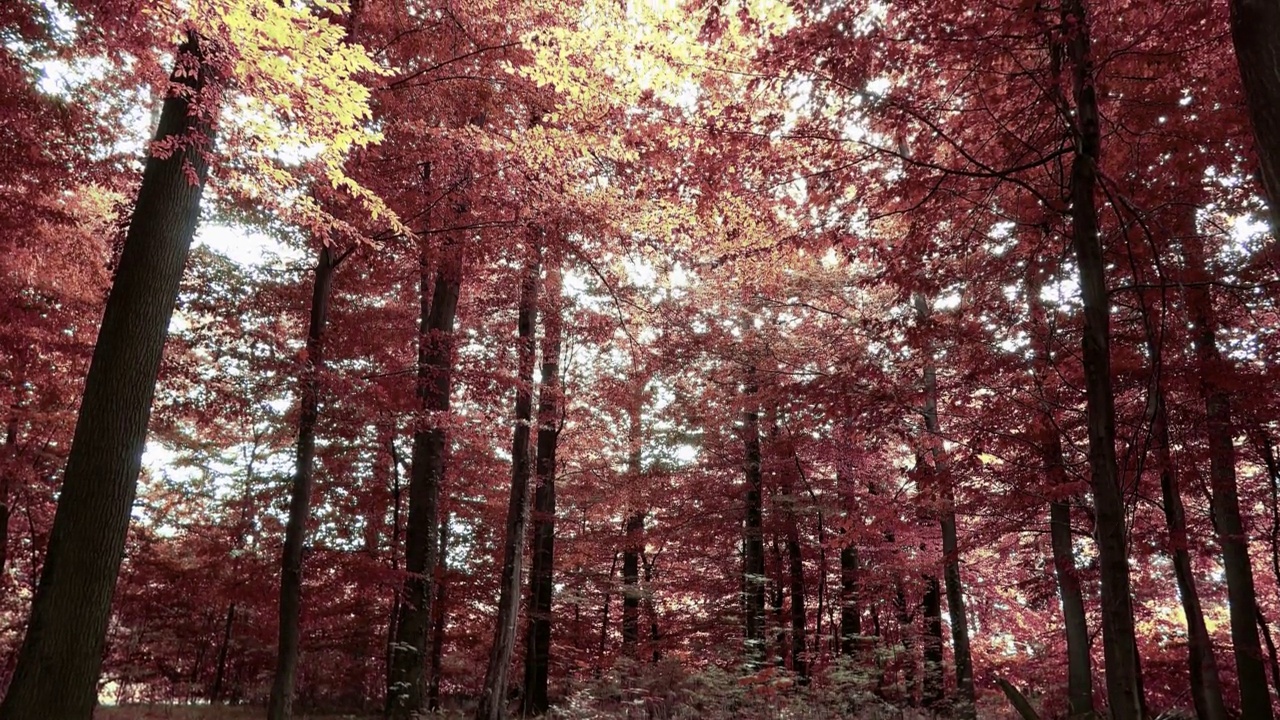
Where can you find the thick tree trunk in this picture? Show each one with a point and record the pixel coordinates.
(57, 671)
(934, 684)
(753, 530)
(493, 698)
(1255, 698)
(965, 703)
(405, 692)
(280, 706)
(541, 574)
(1124, 692)
(1255, 30)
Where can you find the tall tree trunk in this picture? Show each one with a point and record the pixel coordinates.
(633, 542)
(493, 698)
(651, 607)
(220, 673)
(439, 305)
(57, 669)
(906, 626)
(795, 562)
(280, 706)
(965, 707)
(604, 612)
(933, 684)
(1079, 662)
(1206, 685)
(850, 612)
(1255, 31)
(1124, 692)
(440, 610)
(1255, 698)
(753, 529)
(537, 663)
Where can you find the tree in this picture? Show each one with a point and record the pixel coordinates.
(57, 672)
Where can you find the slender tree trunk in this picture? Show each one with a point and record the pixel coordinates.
(850, 612)
(441, 619)
(1255, 698)
(1206, 685)
(1124, 692)
(753, 531)
(405, 692)
(10, 459)
(493, 698)
(965, 706)
(281, 702)
(1273, 661)
(795, 576)
(1255, 30)
(906, 625)
(1079, 662)
(541, 575)
(220, 674)
(57, 671)
(633, 542)
(604, 612)
(651, 608)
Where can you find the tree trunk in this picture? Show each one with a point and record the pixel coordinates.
(1255, 698)
(753, 531)
(1124, 693)
(220, 673)
(280, 706)
(850, 612)
(57, 670)
(1079, 662)
(541, 574)
(1255, 30)
(405, 692)
(493, 698)
(633, 542)
(933, 685)
(440, 620)
(795, 568)
(965, 705)
(651, 608)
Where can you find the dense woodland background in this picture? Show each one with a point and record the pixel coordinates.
(662, 358)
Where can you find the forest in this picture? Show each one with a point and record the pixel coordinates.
(653, 359)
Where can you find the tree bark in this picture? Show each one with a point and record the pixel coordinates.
(633, 541)
(405, 692)
(440, 610)
(753, 530)
(1255, 31)
(57, 671)
(965, 707)
(220, 673)
(1079, 662)
(850, 612)
(1255, 698)
(541, 574)
(1124, 693)
(493, 698)
(933, 684)
(280, 706)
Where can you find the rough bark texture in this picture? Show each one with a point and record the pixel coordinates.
(541, 573)
(493, 698)
(1255, 698)
(933, 683)
(753, 531)
(1124, 693)
(405, 692)
(280, 706)
(1255, 30)
(56, 677)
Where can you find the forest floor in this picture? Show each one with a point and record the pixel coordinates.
(202, 712)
